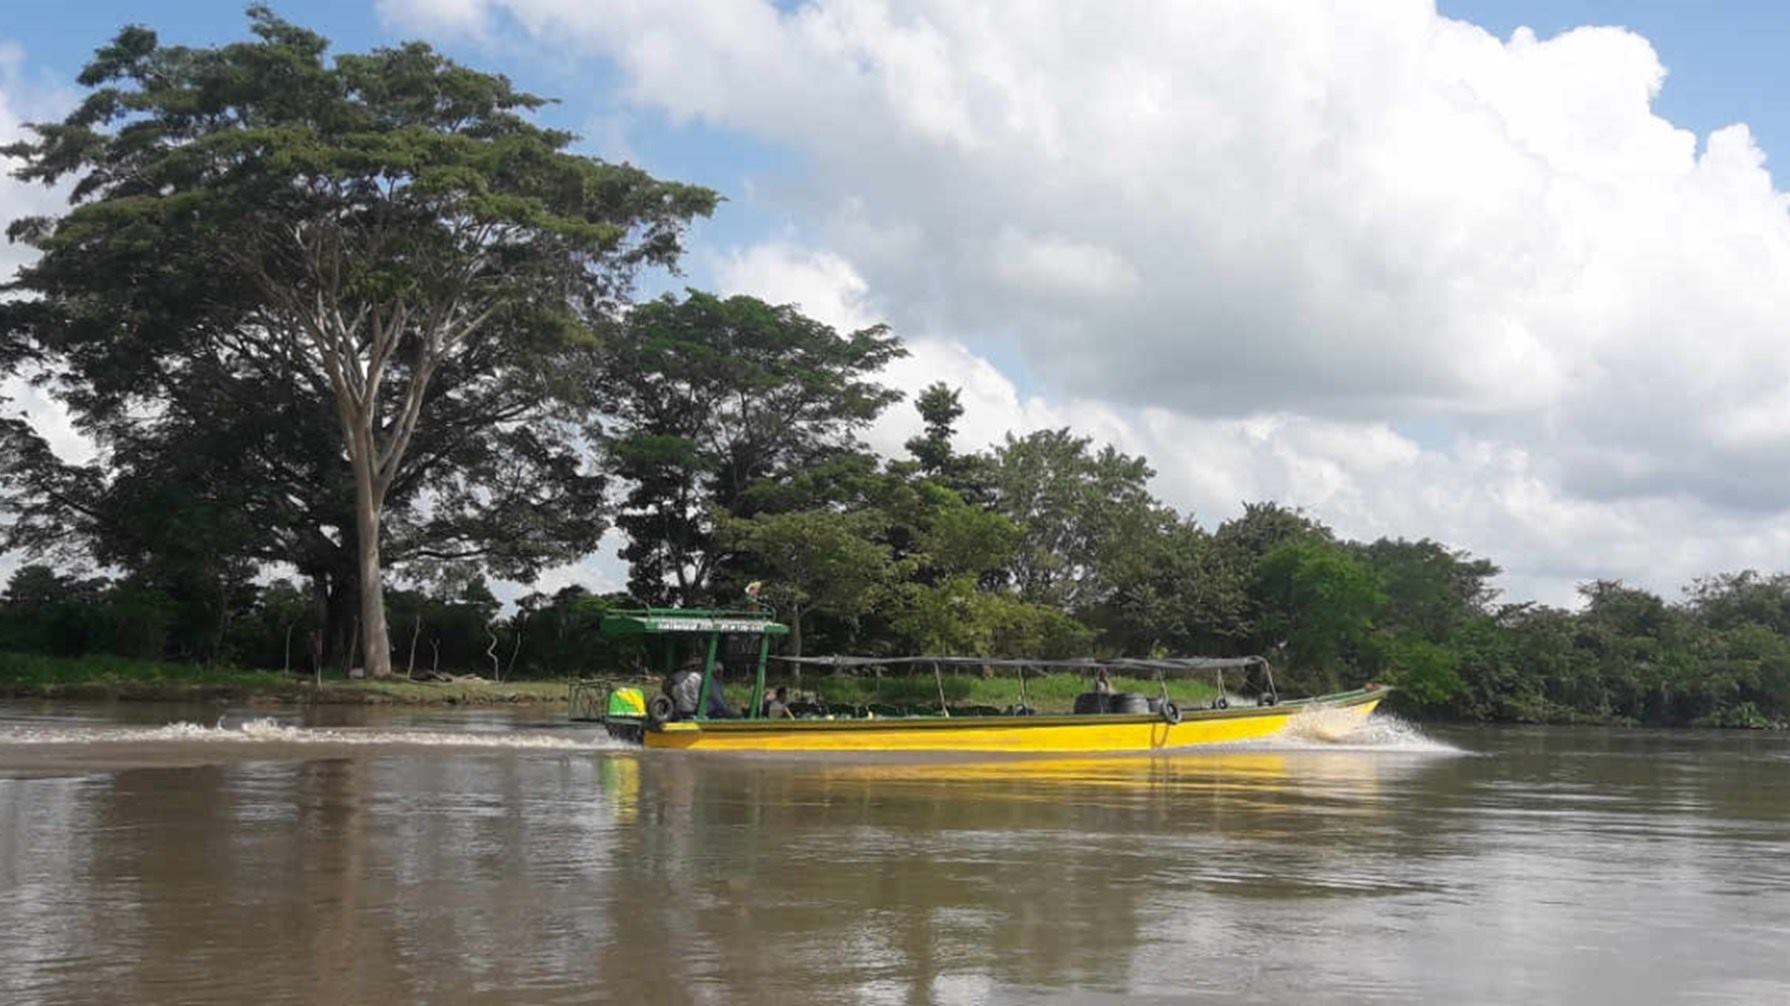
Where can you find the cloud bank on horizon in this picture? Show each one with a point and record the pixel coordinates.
(1359, 258)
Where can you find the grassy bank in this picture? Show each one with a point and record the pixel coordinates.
(106, 677)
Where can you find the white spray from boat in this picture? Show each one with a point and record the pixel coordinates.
(1320, 731)
(272, 732)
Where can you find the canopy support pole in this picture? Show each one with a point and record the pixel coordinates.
(708, 677)
(938, 676)
(764, 652)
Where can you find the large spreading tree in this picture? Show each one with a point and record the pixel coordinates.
(383, 239)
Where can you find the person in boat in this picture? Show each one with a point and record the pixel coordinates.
(1103, 684)
(685, 688)
(777, 707)
(718, 707)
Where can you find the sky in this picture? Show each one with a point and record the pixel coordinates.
(1511, 276)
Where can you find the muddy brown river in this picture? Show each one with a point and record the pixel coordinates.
(156, 854)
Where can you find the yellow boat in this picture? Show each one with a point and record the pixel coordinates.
(1105, 724)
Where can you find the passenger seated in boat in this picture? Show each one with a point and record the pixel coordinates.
(718, 707)
(685, 688)
(777, 706)
(1103, 685)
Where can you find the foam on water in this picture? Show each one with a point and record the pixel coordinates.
(1379, 732)
(269, 731)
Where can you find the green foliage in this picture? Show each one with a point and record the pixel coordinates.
(1425, 672)
(952, 537)
(812, 561)
(1318, 607)
(1431, 590)
(1076, 508)
(707, 399)
(323, 306)
(955, 617)
(1172, 591)
(940, 407)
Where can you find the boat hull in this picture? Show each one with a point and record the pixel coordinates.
(1330, 715)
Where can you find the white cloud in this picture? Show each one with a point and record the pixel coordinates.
(1049, 267)
(823, 285)
(1363, 477)
(22, 101)
(464, 16)
(1256, 241)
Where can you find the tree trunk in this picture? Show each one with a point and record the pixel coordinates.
(337, 616)
(415, 631)
(320, 604)
(376, 646)
(222, 625)
(510, 670)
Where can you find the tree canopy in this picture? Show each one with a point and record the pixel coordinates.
(706, 400)
(382, 242)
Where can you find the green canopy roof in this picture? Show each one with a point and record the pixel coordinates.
(654, 621)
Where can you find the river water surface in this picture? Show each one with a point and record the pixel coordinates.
(204, 855)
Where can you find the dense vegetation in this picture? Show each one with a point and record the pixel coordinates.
(351, 338)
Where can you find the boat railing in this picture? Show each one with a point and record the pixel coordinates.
(1159, 668)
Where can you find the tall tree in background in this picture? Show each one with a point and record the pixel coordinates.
(940, 406)
(1075, 506)
(1170, 591)
(707, 398)
(386, 233)
(493, 478)
(1431, 589)
(1318, 605)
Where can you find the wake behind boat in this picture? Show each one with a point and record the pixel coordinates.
(685, 715)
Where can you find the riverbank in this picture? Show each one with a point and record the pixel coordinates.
(117, 678)
(122, 679)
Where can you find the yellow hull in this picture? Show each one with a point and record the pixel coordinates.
(1331, 715)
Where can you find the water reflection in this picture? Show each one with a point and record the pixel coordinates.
(1554, 864)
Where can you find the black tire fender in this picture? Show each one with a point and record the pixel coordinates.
(1171, 713)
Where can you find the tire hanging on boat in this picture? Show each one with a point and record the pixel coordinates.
(660, 708)
(1129, 704)
(1171, 713)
